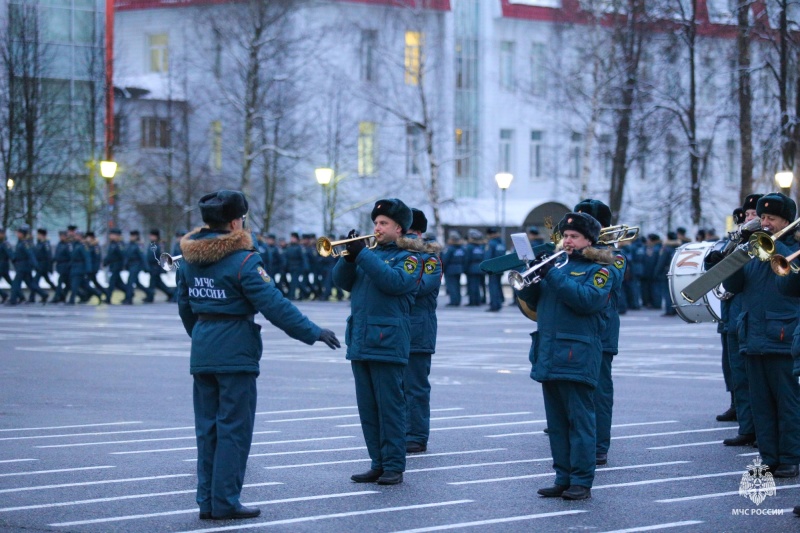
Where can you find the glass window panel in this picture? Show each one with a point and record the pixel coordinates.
(56, 24)
(84, 26)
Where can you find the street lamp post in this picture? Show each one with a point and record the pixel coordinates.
(784, 180)
(324, 177)
(503, 180)
(9, 188)
(108, 169)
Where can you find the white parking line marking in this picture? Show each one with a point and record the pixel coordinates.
(490, 425)
(190, 511)
(332, 417)
(135, 441)
(70, 427)
(658, 526)
(305, 410)
(344, 461)
(489, 415)
(297, 452)
(529, 476)
(613, 426)
(718, 495)
(85, 483)
(96, 433)
(16, 460)
(644, 435)
(119, 498)
(254, 444)
(477, 465)
(667, 480)
(489, 522)
(34, 472)
(329, 516)
(686, 445)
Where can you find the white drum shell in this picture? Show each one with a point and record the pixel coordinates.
(686, 266)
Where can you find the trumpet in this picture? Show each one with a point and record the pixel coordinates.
(782, 266)
(169, 262)
(520, 280)
(762, 245)
(326, 247)
(617, 234)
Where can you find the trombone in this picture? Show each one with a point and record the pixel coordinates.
(326, 247)
(617, 234)
(520, 280)
(782, 266)
(762, 245)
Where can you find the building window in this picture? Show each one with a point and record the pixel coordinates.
(536, 149)
(462, 153)
(157, 46)
(504, 160)
(413, 57)
(215, 156)
(507, 65)
(732, 166)
(366, 148)
(155, 132)
(576, 140)
(414, 147)
(538, 74)
(119, 130)
(604, 145)
(216, 66)
(369, 43)
(643, 147)
(708, 87)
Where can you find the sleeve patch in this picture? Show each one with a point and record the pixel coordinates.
(600, 278)
(410, 264)
(264, 275)
(430, 265)
(619, 261)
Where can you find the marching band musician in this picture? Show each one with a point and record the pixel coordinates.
(382, 283)
(222, 284)
(567, 350)
(416, 385)
(604, 393)
(768, 318)
(737, 363)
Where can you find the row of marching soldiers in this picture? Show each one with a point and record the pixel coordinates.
(77, 260)
(761, 338)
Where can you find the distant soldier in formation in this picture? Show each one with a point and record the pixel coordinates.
(62, 258)
(6, 253)
(96, 255)
(155, 270)
(495, 248)
(476, 279)
(43, 252)
(295, 266)
(24, 264)
(115, 262)
(134, 263)
(454, 262)
(79, 268)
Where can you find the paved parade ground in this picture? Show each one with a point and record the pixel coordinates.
(96, 432)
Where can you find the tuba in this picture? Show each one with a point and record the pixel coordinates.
(326, 247)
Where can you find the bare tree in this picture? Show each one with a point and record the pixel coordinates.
(745, 97)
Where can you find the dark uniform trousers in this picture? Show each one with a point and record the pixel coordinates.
(495, 291)
(740, 386)
(453, 286)
(417, 389)
(225, 411)
(571, 427)
(604, 403)
(775, 397)
(383, 418)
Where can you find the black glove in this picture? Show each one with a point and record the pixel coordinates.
(329, 338)
(713, 257)
(354, 248)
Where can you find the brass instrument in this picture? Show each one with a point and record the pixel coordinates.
(782, 266)
(617, 234)
(169, 262)
(326, 247)
(520, 280)
(762, 245)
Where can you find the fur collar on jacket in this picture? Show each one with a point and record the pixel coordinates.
(212, 248)
(418, 245)
(601, 256)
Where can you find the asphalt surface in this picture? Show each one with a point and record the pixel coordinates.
(96, 432)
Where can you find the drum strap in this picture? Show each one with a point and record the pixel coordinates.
(716, 275)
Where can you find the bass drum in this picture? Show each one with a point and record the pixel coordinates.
(686, 266)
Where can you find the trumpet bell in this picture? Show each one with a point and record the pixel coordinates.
(327, 247)
(168, 262)
(516, 280)
(761, 246)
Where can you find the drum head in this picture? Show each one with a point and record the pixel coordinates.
(686, 266)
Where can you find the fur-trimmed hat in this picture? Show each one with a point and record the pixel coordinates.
(24, 228)
(395, 209)
(90, 234)
(222, 206)
(738, 215)
(41, 231)
(155, 232)
(597, 209)
(751, 201)
(778, 204)
(533, 229)
(419, 221)
(583, 223)
(115, 231)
